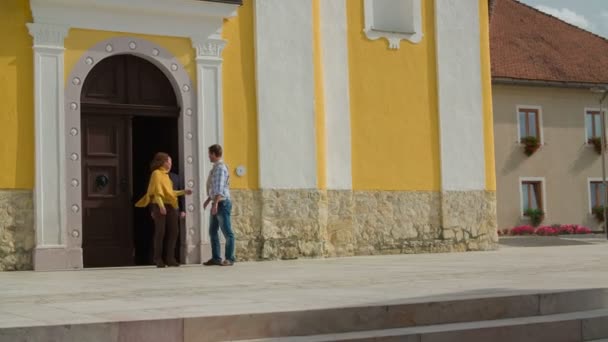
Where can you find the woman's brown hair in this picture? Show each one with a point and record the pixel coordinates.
(159, 160)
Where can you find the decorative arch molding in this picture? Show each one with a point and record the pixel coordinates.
(57, 202)
(185, 94)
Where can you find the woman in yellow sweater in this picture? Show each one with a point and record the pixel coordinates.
(163, 199)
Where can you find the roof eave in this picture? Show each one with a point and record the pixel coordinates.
(233, 2)
(544, 83)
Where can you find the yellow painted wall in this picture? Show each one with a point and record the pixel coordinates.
(393, 103)
(395, 128)
(240, 106)
(319, 98)
(488, 121)
(16, 96)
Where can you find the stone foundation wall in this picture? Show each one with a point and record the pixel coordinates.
(246, 219)
(469, 219)
(17, 236)
(341, 236)
(293, 224)
(287, 224)
(396, 222)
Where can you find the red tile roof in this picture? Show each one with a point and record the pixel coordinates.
(527, 44)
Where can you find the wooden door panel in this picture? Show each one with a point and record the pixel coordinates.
(146, 84)
(106, 198)
(126, 79)
(103, 237)
(103, 139)
(102, 181)
(107, 84)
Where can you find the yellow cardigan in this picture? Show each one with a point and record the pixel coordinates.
(160, 191)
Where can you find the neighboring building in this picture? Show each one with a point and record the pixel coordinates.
(350, 127)
(542, 73)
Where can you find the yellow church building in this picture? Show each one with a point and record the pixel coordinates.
(351, 127)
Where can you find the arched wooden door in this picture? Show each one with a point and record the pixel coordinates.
(122, 97)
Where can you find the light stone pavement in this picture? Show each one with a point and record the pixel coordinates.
(49, 298)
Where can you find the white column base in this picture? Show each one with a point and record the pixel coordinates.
(48, 258)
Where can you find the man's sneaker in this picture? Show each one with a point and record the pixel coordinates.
(212, 262)
(227, 263)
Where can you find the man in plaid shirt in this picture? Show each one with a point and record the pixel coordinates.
(218, 192)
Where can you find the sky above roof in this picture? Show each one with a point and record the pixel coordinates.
(591, 15)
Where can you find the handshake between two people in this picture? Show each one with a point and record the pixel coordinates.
(163, 210)
(188, 192)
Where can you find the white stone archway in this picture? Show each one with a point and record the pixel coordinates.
(183, 88)
(57, 196)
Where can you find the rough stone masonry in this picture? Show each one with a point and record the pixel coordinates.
(289, 224)
(17, 236)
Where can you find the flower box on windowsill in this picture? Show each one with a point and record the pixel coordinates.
(597, 144)
(598, 212)
(531, 145)
(536, 216)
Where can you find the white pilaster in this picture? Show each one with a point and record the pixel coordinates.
(285, 94)
(49, 199)
(209, 120)
(460, 95)
(334, 38)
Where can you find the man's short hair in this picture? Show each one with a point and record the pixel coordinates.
(216, 150)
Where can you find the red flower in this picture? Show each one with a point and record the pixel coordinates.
(522, 230)
(546, 231)
(566, 229)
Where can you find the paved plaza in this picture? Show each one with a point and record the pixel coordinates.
(109, 295)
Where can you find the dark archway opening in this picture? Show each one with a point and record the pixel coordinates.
(129, 112)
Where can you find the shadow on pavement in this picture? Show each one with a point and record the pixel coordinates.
(539, 241)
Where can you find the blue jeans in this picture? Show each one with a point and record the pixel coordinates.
(222, 220)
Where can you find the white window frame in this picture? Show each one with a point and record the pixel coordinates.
(540, 121)
(394, 38)
(589, 109)
(543, 193)
(589, 180)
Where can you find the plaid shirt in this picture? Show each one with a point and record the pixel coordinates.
(218, 182)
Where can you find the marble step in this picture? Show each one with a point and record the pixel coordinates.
(395, 315)
(588, 326)
(390, 320)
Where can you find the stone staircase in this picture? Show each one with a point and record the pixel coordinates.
(564, 316)
(580, 315)
(577, 326)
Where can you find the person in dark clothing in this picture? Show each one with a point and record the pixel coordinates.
(177, 185)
